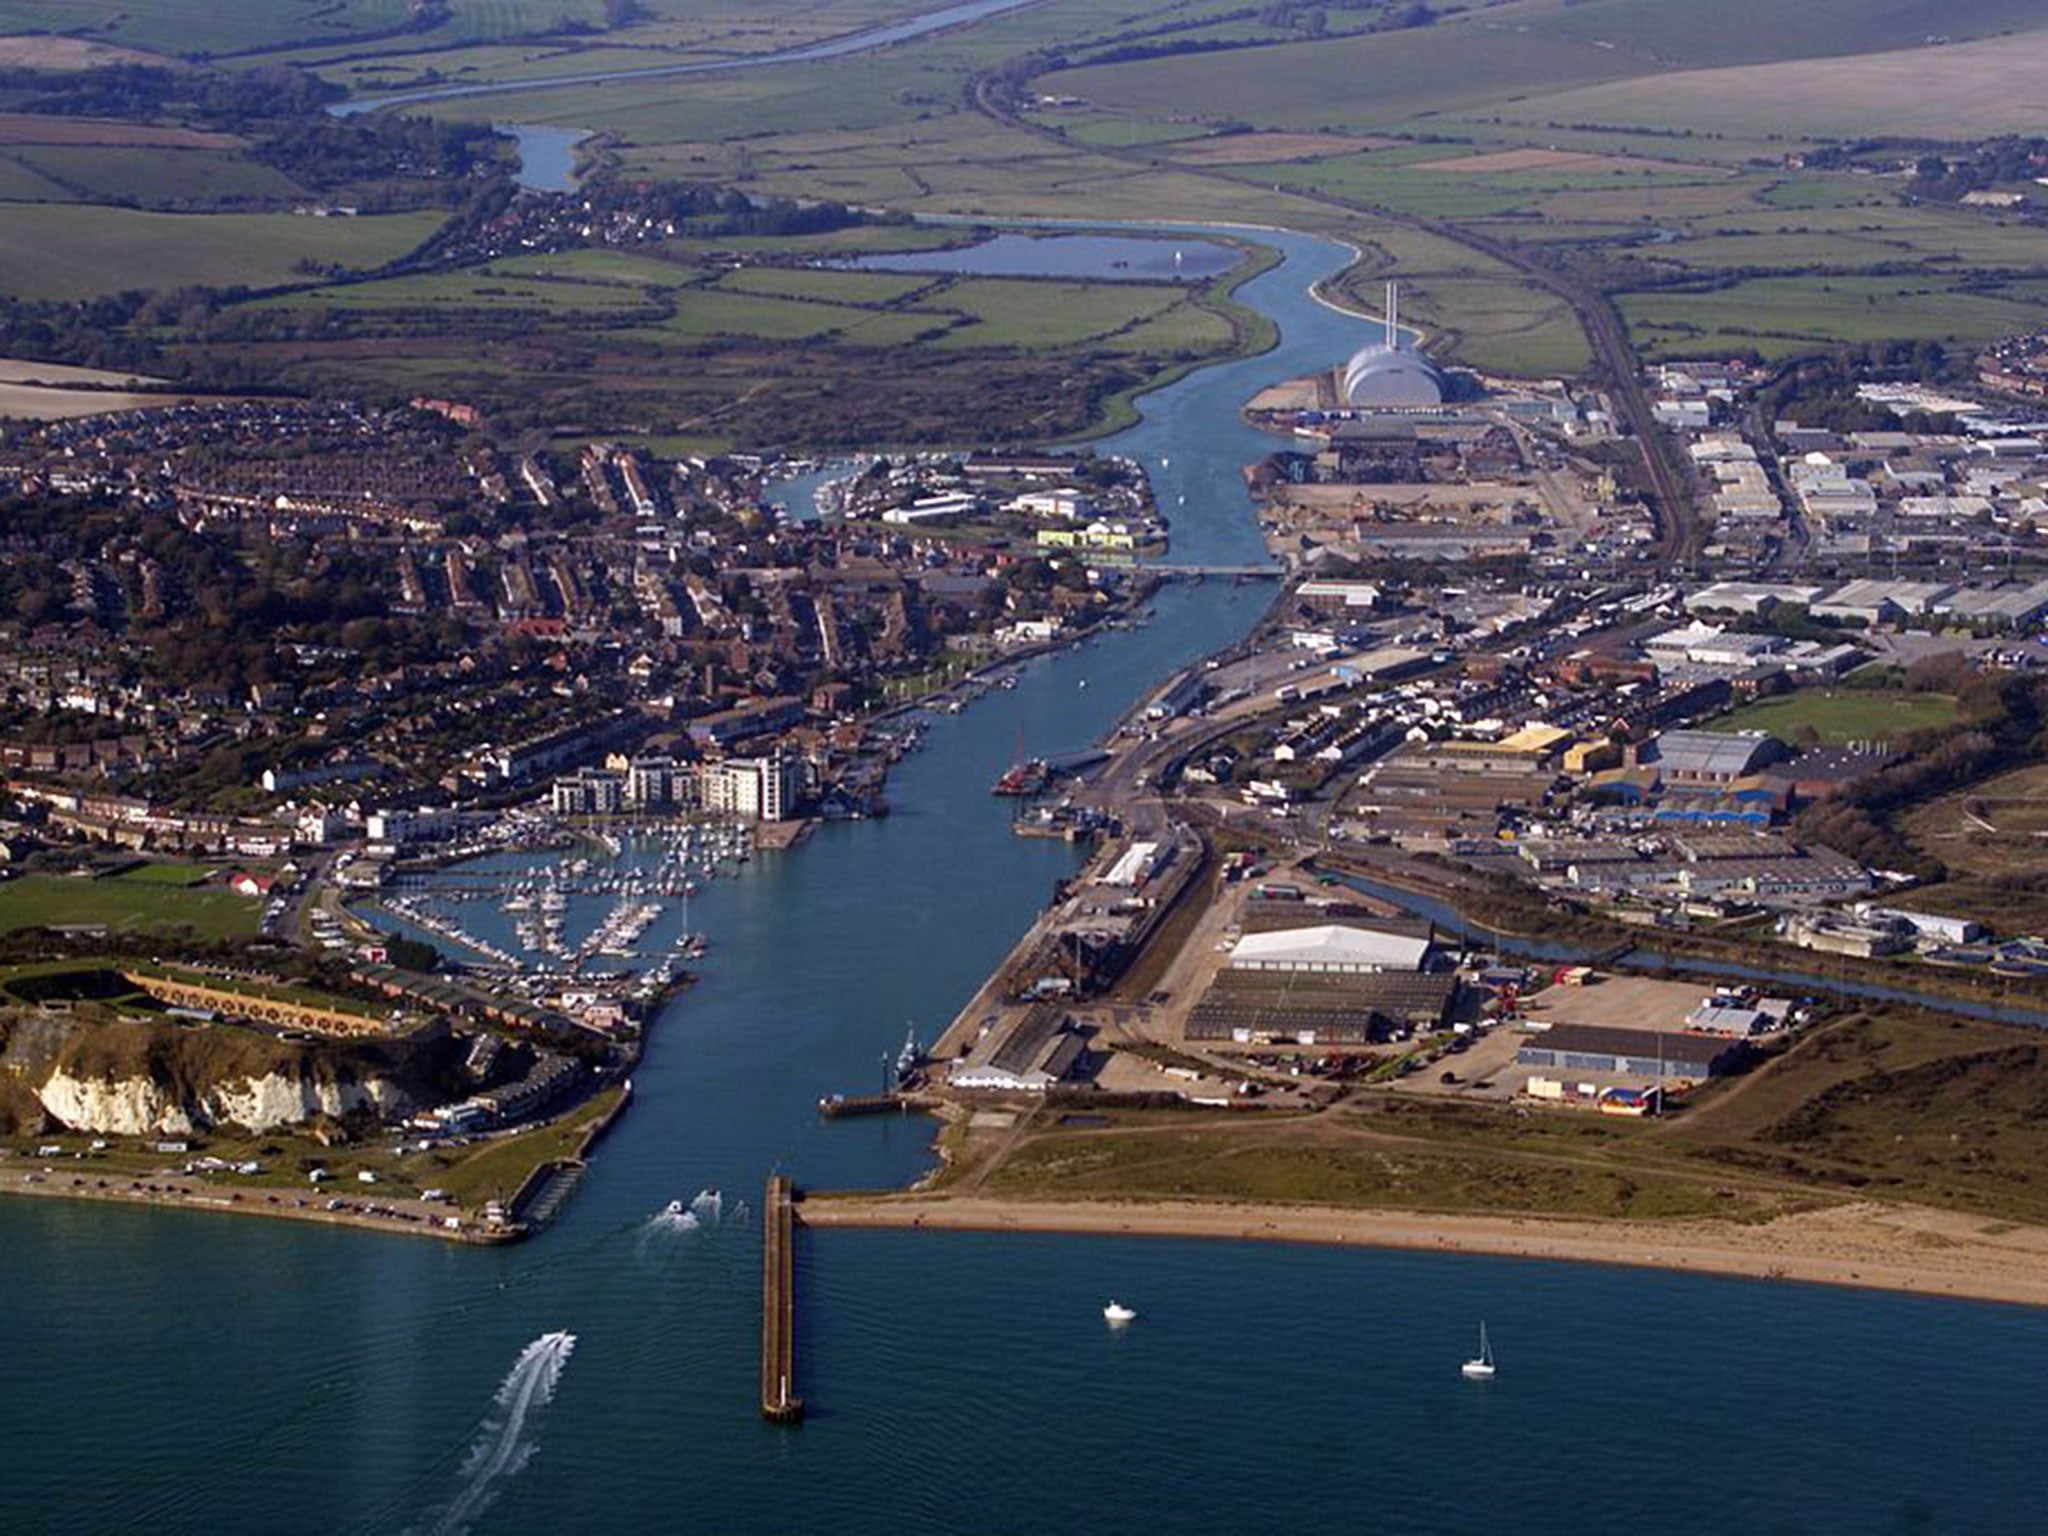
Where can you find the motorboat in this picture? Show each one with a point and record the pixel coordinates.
(1481, 1369)
(1116, 1314)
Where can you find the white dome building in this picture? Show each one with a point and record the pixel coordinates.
(1390, 375)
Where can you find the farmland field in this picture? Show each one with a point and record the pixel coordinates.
(226, 28)
(203, 26)
(1353, 83)
(831, 286)
(39, 128)
(100, 173)
(1047, 314)
(70, 252)
(1783, 317)
(476, 289)
(1969, 90)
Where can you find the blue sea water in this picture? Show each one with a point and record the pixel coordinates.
(174, 1372)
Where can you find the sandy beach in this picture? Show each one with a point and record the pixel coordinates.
(1863, 1244)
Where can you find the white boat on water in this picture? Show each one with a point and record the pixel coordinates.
(1482, 1368)
(1116, 1314)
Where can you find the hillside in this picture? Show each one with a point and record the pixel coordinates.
(1505, 55)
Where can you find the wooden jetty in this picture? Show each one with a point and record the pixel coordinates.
(779, 1402)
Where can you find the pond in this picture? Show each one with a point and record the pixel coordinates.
(547, 156)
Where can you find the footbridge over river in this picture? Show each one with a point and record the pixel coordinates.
(1197, 572)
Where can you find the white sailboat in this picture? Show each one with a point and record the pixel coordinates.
(1482, 1368)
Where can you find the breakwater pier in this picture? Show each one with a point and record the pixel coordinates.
(779, 1402)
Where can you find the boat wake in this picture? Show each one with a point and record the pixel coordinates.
(680, 1218)
(502, 1447)
(707, 1209)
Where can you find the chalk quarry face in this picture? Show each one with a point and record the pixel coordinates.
(134, 1079)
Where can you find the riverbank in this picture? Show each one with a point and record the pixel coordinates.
(1863, 1245)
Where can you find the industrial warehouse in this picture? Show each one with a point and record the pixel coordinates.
(1321, 974)
(1651, 1053)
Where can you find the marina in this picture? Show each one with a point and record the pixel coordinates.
(643, 877)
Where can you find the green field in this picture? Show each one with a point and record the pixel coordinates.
(830, 286)
(1783, 317)
(681, 298)
(20, 183)
(444, 295)
(154, 178)
(165, 872)
(1394, 78)
(1353, 83)
(1837, 716)
(1008, 313)
(72, 252)
(231, 27)
(124, 905)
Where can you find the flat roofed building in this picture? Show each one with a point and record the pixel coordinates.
(1631, 1052)
(1290, 1008)
(1331, 948)
(1748, 597)
(1338, 594)
(1716, 757)
(1873, 601)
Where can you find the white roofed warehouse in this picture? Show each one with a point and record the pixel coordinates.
(1331, 948)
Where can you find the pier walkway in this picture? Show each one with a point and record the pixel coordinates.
(779, 1402)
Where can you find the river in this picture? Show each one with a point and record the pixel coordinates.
(809, 53)
(210, 1374)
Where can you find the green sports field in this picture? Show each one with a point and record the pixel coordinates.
(124, 906)
(1837, 716)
